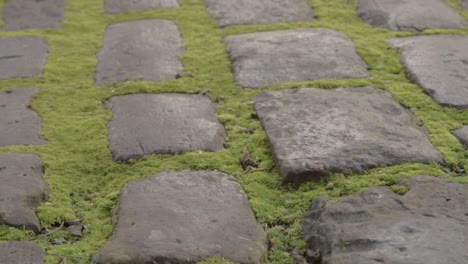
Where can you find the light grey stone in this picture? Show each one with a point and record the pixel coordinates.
(116, 6)
(317, 132)
(439, 64)
(33, 14)
(145, 124)
(462, 135)
(21, 253)
(21, 190)
(464, 5)
(19, 125)
(22, 57)
(409, 15)
(427, 225)
(294, 55)
(236, 12)
(145, 50)
(184, 217)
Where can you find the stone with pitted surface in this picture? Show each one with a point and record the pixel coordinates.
(236, 12)
(116, 6)
(428, 224)
(184, 217)
(293, 55)
(462, 135)
(439, 64)
(145, 50)
(33, 14)
(317, 132)
(21, 253)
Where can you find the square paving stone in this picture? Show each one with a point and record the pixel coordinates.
(33, 14)
(426, 225)
(294, 55)
(21, 253)
(146, 50)
(409, 15)
(19, 125)
(184, 217)
(22, 57)
(21, 190)
(235, 12)
(462, 135)
(116, 6)
(145, 124)
(317, 132)
(439, 64)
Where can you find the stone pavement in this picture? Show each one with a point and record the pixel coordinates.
(191, 215)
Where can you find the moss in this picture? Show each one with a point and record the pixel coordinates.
(85, 182)
(399, 189)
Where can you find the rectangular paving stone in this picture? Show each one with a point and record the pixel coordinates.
(184, 217)
(22, 57)
(438, 64)
(236, 12)
(19, 125)
(21, 190)
(317, 132)
(116, 6)
(145, 124)
(145, 50)
(293, 55)
(21, 253)
(409, 15)
(33, 14)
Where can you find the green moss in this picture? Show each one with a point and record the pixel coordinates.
(85, 183)
(399, 189)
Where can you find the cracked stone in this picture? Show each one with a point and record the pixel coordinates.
(184, 217)
(19, 125)
(33, 14)
(145, 124)
(21, 190)
(316, 132)
(428, 224)
(22, 57)
(21, 253)
(116, 6)
(409, 15)
(145, 50)
(236, 12)
(462, 135)
(293, 55)
(439, 65)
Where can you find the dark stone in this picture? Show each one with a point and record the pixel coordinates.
(116, 6)
(427, 225)
(145, 50)
(236, 12)
(145, 124)
(317, 132)
(184, 217)
(409, 15)
(33, 14)
(462, 135)
(22, 57)
(21, 190)
(439, 64)
(293, 55)
(21, 253)
(18, 124)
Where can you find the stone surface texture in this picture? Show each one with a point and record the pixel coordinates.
(236, 12)
(462, 135)
(464, 4)
(427, 225)
(33, 14)
(21, 253)
(116, 6)
(22, 57)
(409, 15)
(316, 132)
(294, 55)
(145, 124)
(18, 124)
(21, 190)
(184, 217)
(145, 50)
(439, 64)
